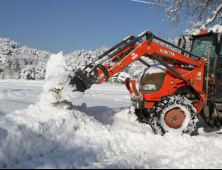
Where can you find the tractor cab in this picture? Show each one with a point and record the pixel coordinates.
(201, 44)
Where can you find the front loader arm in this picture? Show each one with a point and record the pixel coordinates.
(128, 52)
(156, 49)
(131, 57)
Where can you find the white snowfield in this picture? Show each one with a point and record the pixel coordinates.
(96, 131)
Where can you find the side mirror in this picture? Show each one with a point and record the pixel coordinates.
(216, 39)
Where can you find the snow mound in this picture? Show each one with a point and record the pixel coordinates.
(61, 136)
(54, 136)
(56, 85)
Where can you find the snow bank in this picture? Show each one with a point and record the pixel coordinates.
(60, 136)
(25, 132)
(56, 85)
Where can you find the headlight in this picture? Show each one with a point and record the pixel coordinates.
(149, 87)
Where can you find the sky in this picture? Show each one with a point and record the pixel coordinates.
(71, 25)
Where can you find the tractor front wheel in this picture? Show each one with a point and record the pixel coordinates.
(174, 113)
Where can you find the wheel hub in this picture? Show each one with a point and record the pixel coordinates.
(174, 118)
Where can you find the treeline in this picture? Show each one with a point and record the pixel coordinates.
(21, 62)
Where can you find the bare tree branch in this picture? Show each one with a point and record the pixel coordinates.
(210, 21)
(193, 12)
(204, 8)
(150, 3)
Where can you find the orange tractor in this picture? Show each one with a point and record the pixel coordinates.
(175, 90)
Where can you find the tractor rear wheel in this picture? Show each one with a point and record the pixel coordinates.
(174, 113)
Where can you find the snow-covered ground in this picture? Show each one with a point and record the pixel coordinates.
(96, 131)
(39, 129)
(18, 94)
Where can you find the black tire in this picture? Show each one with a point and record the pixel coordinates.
(167, 105)
(143, 115)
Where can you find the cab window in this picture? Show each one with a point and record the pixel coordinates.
(201, 45)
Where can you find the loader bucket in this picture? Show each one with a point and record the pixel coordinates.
(80, 82)
(77, 84)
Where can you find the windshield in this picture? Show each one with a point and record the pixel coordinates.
(201, 45)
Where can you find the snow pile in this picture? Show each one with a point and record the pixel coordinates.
(30, 133)
(60, 136)
(56, 85)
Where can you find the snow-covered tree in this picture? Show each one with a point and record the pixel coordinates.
(199, 13)
(14, 59)
(28, 73)
(32, 72)
(79, 59)
(40, 70)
